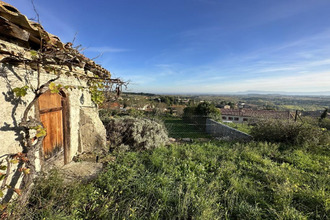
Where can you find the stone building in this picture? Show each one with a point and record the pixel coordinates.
(33, 61)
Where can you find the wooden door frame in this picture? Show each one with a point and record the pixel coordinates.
(66, 126)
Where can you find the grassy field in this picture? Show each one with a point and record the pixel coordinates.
(177, 128)
(197, 181)
(243, 127)
(214, 180)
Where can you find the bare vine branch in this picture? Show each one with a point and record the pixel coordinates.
(35, 11)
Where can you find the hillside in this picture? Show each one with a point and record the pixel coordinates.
(213, 180)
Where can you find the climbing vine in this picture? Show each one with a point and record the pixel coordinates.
(56, 62)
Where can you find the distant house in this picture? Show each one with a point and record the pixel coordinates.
(245, 115)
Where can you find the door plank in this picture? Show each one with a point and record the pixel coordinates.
(51, 115)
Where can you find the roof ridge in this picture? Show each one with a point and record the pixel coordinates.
(16, 27)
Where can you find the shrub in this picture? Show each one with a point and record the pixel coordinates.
(106, 114)
(189, 113)
(135, 134)
(198, 114)
(289, 132)
(325, 123)
(207, 109)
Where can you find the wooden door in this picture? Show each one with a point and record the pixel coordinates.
(51, 116)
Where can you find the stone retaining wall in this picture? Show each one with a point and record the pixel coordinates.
(220, 130)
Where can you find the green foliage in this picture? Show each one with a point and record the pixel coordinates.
(106, 114)
(177, 128)
(41, 131)
(34, 53)
(52, 198)
(135, 134)
(2, 176)
(325, 123)
(189, 112)
(208, 181)
(324, 114)
(96, 90)
(203, 109)
(243, 127)
(198, 114)
(207, 109)
(135, 113)
(289, 132)
(54, 88)
(20, 91)
(169, 100)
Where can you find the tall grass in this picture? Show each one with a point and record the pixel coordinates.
(199, 181)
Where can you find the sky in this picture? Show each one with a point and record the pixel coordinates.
(198, 46)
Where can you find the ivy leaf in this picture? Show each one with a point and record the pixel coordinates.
(14, 161)
(2, 176)
(3, 167)
(54, 88)
(20, 91)
(33, 53)
(26, 171)
(41, 131)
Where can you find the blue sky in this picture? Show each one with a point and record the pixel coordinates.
(199, 46)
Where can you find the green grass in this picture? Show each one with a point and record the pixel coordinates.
(177, 128)
(243, 127)
(198, 181)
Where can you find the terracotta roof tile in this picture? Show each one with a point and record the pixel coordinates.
(255, 113)
(16, 28)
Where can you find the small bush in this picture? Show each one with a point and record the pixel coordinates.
(203, 109)
(289, 132)
(325, 123)
(106, 114)
(135, 134)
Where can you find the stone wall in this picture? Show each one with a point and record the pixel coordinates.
(218, 129)
(87, 132)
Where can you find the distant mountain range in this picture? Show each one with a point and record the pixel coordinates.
(249, 92)
(258, 92)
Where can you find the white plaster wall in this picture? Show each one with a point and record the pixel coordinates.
(11, 77)
(11, 111)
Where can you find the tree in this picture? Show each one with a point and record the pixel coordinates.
(324, 114)
(207, 109)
